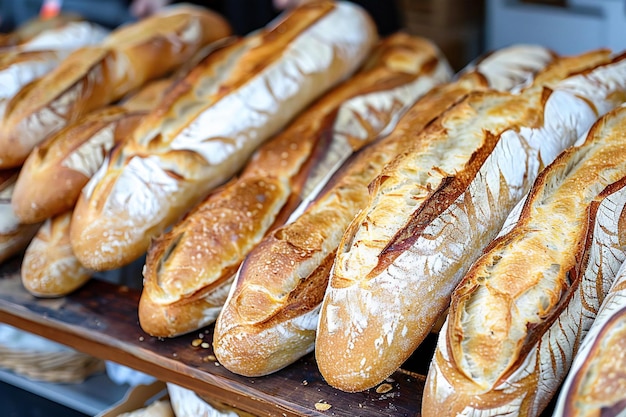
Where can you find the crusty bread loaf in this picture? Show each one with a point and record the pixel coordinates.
(49, 267)
(65, 38)
(519, 315)
(204, 131)
(14, 235)
(18, 68)
(182, 284)
(31, 60)
(55, 172)
(270, 317)
(94, 76)
(36, 26)
(594, 384)
(436, 206)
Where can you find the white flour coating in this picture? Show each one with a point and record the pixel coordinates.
(89, 188)
(191, 33)
(605, 256)
(409, 277)
(67, 38)
(266, 102)
(307, 321)
(139, 192)
(216, 298)
(613, 304)
(597, 85)
(203, 96)
(445, 158)
(133, 205)
(9, 222)
(364, 109)
(550, 369)
(15, 76)
(51, 118)
(89, 156)
(514, 66)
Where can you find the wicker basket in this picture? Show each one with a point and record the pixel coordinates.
(66, 366)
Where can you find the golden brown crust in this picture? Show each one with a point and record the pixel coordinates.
(537, 288)
(49, 267)
(184, 148)
(205, 249)
(598, 383)
(449, 212)
(92, 77)
(286, 275)
(55, 172)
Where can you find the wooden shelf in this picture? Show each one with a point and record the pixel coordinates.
(101, 319)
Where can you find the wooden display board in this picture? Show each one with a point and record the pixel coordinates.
(101, 319)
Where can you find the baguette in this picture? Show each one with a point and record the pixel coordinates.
(592, 387)
(34, 27)
(437, 205)
(92, 77)
(14, 235)
(181, 286)
(53, 175)
(270, 317)
(205, 130)
(18, 68)
(31, 60)
(65, 38)
(49, 267)
(519, 315)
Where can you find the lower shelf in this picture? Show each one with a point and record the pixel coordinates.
(101, 319)
(90, 397)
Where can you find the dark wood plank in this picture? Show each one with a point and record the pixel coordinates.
(101, 319)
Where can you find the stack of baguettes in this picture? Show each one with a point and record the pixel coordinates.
(594, 384)
(58, 120)
(270, 317)
(184, 286)
(433, 210)
(97, 75)
(381, 200)
(520, 314)
(26, 56)
(51, 179)
(209, 124)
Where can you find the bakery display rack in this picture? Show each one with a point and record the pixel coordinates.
(101, 319)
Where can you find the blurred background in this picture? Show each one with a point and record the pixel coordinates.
(463, 29)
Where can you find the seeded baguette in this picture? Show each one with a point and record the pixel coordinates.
(270, 317)
(435, 207)
(211, 122)
(518, 317)
(94, 76)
